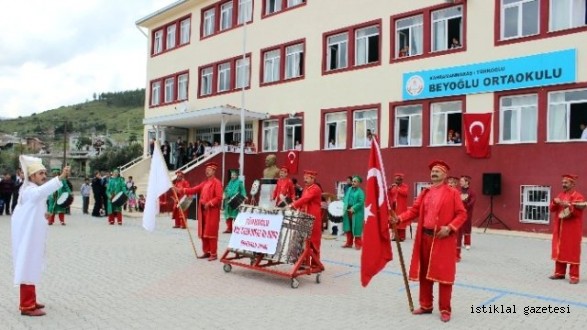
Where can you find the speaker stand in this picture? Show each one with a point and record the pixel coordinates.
(489, 219)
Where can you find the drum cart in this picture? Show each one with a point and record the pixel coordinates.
(294, 248)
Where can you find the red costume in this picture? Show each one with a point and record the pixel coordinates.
(468, 197)
(310, 202)
(398, 197)
(176, 213)
(209, 201)
(284, 187)
(567, 234)
(434, 258)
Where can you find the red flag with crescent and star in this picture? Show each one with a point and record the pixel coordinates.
(477, 131)
(376, 252)
(293, 159)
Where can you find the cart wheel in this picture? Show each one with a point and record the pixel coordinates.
(295, 283)
(318, 278)
(227, 268)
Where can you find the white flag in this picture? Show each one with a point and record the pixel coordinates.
(158, 184)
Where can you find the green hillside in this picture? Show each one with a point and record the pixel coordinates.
(119, 115)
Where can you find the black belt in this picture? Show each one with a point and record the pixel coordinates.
(429, 232)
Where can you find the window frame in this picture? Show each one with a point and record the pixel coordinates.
(325, 115)
(216, 76)
(223, 11)
(286, 125)
(427, 35)
(544, 31)
(445, 114)
(351, 49)
(354, 127)
(396, 130)
(567, 114)
(160, 90)
(518, 110)
(273, 130)
(284, 7)
(281, 51)
(160, 42)
(216, 22)
(524, 192)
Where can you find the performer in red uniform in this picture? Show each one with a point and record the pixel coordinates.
(398, 197)
(309, 203)
(176, 214)
(284, 189)
(210, 191)
(567, 231)
(440, 214)
(468, 197)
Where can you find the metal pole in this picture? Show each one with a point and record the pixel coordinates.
(64, 142)
(222, 132)
(241, 158)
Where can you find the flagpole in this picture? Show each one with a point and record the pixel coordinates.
(401, 259)
(185, 224)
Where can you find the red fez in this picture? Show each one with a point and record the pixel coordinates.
(211, 165)
(284, 168)
(439, 164)
(401, 175)
(571, 177)
(310, 173)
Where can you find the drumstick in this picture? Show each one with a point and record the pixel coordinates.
(176, 199)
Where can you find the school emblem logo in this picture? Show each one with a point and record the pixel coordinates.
(415, 85)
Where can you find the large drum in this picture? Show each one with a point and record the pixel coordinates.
(65, 199)
(185, 202)
(335, 211)
(235, 201)
(296, 228)
(119, 199)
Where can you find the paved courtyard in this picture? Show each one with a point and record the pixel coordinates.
(123, 277)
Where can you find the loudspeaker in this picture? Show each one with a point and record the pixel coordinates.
(491, 184)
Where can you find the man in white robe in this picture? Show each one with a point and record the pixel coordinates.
(29, 231)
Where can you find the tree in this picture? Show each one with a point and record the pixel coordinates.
(132, 138)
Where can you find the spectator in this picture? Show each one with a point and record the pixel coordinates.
(455, 43)
(6, 189)
(85, 191)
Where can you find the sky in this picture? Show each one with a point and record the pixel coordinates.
(61, 52)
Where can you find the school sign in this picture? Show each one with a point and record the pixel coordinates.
(544, 69)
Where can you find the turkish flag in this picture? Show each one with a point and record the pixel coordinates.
(293, 159)
(477, 130)
(376, 250)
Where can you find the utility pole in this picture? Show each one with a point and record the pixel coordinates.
(64, 142)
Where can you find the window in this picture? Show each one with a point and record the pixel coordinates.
(171, 37)
(245, 11)
(291, 3)
(567, 14)
(243, 72)
(294, 61)
(182, 87)
(271, 66)
(282, 63)
(518, 118)
(352, 47)
(223, 77)
(226, 16)
(567, 112)
(447, 28)
(206, 81)
(337, 57)
(408, 125)
(169, 90)
(184, 31)
(270, 128)
(409, 36)
(208, 26)
(445, 121)
(292, 133)
(335, 130)
(158, 42)
(155, 93)
(364, 126)
(419, 187)
(367, 45)
(520, 18)
(272, 6)
(534, 202)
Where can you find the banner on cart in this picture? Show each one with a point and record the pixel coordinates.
(256, 232)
